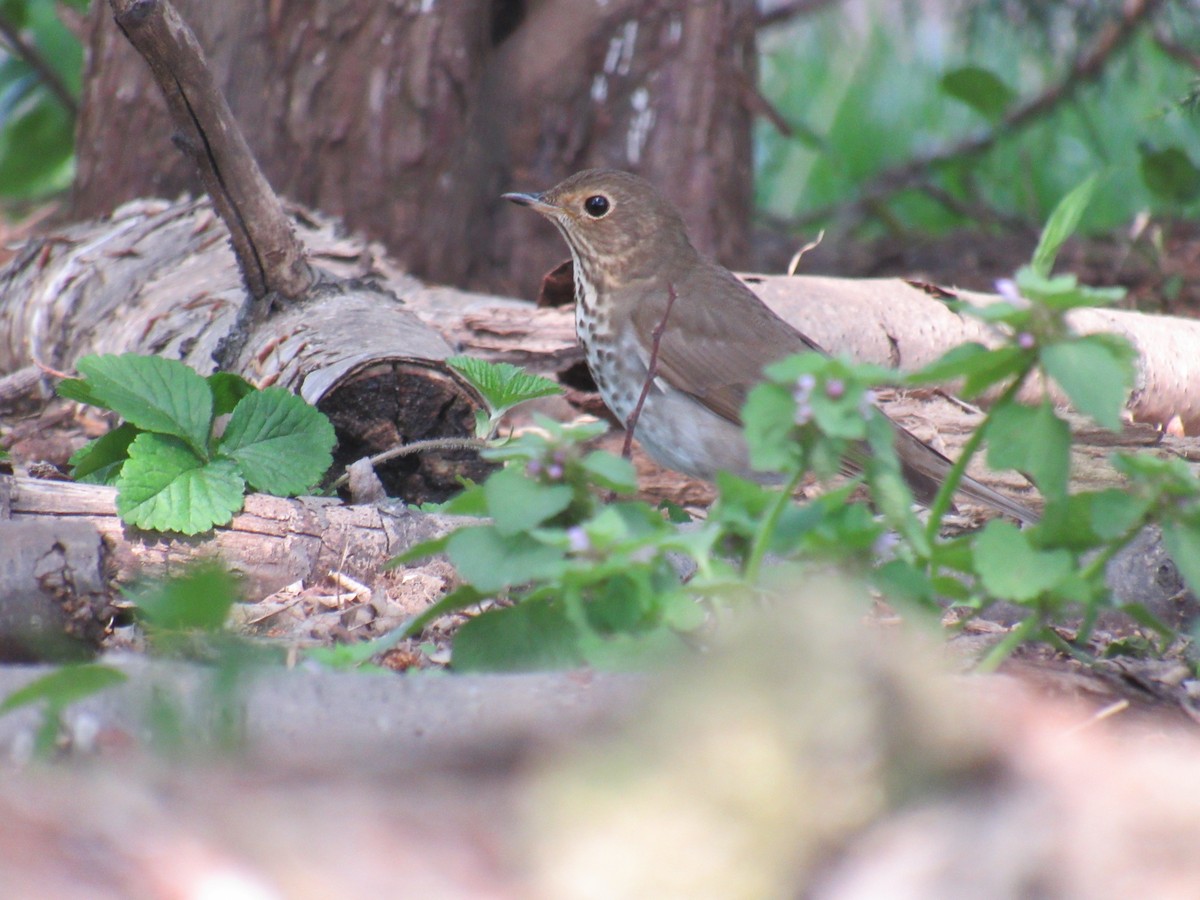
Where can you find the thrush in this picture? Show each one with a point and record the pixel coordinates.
(636, 272)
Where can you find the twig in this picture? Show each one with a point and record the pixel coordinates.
(415, 447)
(18, 385)
(1086, 67)
(269, 254)
(1177, 51)
(791, 10)
(651, 373)
(34, 59)
(760, 105)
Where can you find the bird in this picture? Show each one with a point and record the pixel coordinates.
(640, 281)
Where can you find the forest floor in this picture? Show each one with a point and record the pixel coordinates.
(788, 766)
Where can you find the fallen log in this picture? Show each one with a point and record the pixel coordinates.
(272, 543)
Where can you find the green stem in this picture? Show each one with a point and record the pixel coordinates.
(417, 447)
(1011, 641)
(945, 495)
(766, 529)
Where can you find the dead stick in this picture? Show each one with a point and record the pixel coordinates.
(651, 373)
(271, 258)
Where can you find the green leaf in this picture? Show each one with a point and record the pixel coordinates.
(1063, 292)
(419, 551)
(198, 599)
(459, 598)
(889, 490)
(980, 89)
(624, 652)
(1170, 173)
(100, 461)
(492, 561)
(16, 11)
(227, 389)
(282, 445)
(470, 501)
(611, 472)
(769, 415)
(979, 367)
(153, 393)
(517, 503)
(78, 390)
(1182, 540)
(502, 385)
(1010, 568)
(1062, 224)
(533, 636)
(59, 46)
(954, 363)
(64, 686)
(1096, 374)
(1089, 518)
(164, 486)
(36, 143)
(1034, 441)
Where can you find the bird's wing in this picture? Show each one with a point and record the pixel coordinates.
(727, 341)
(722, 354)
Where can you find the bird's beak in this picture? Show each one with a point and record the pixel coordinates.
(533, 201)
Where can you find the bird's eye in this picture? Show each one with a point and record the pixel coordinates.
(596, 207)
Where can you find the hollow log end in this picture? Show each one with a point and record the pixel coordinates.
(401, 403)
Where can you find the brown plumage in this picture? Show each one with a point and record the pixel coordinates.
(630, 248)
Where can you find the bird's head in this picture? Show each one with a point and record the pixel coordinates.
(608, 216)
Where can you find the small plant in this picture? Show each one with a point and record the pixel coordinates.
(183, 617)
(577, 581)
(58, 690)
(568, 580)
(502, 386)
(173, 471)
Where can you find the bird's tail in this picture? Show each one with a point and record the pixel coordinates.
(925, 469)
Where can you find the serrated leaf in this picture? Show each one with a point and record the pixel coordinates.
(532, 636)
(1011, 569)
(501, 384)
(980, 89)
(155, 394)
(1095, 375)
(164, 486)
(100, 461)
(281, 444)
(64, 686)
(227, 389)
(492, 561)
(1062, 224)
(517, 503)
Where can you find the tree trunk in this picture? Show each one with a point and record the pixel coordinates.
(408, 120)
